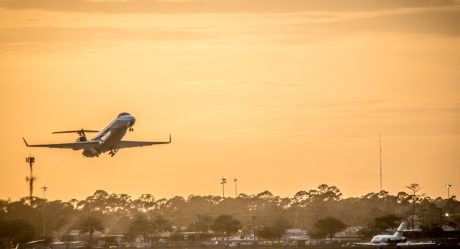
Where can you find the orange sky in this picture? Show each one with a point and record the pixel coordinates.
(282, 94)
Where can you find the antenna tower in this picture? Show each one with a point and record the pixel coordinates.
(30, 160)
(380, 150)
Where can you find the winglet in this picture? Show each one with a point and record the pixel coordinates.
(169, 138)
(25, 142)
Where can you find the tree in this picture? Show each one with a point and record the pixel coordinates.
(139, 225)
(328, 193)
(15, 231)
(98, 201)
(144, 203)
(225, 224)
(414, 187)
(265, 233)
(279, 227)
(91, 224)
(264, 195)
(202, 223)
(327, 227)
(385, 222)
(161, 224)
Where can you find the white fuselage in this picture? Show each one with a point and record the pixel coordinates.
(111, 134)
(387, 239)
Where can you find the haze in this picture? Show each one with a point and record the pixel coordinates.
(282, 94)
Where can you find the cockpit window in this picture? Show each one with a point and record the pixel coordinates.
(123, 114)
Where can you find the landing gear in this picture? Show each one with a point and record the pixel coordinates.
(113, 152)
(91, 152)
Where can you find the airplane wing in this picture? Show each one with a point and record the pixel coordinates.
(371, 244)
(74, 146)
(127, 144)
(417, 244)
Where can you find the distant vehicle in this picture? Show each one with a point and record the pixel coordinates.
(106, 140)
(234, 244)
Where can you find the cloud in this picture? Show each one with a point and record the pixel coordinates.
(220, 6)
(442, 22)
(21, 38)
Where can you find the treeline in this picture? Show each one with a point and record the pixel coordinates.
(117, 213)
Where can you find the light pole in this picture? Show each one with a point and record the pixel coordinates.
(223, 181)
(236, 186)
(448, 190)
(30, 160)
(252, 209)
(44, 189)
(197, 227)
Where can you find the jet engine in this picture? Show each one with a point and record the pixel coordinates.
(81, 138)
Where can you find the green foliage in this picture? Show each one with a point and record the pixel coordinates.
(385, 222)
(275, 231)
(225, 224)
(279, 227)
(15, 231)
(118, 212)
(140, 225)
(265, 233)
(202, 223)
(327, 227)
(90, 224)
(380, 225)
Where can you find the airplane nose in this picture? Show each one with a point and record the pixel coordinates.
(132, 121)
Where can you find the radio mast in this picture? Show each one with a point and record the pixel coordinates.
(380, 150)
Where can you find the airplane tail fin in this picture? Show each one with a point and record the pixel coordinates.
(400, 229)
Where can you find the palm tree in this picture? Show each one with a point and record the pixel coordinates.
(91, 224)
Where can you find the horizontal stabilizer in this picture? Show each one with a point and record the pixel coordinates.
(75, 131)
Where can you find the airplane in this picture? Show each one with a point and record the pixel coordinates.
(387, 240)
(395, 240)
(106, 140)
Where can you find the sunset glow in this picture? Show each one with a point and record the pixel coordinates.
(282, 94)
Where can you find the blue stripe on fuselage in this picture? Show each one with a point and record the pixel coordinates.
(114, 131)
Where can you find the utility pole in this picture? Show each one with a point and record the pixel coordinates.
(448, 190)
(30, 160)
(44, 189)
(223, 181)
(441, 220)
(423, 210)
(254, 226)
(236, 186)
